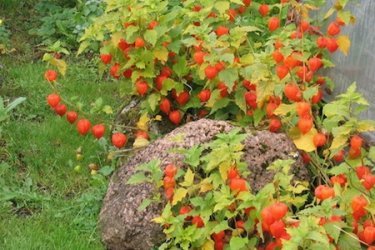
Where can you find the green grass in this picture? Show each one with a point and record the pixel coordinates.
(44, 203)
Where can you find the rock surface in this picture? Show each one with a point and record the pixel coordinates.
(124, 227)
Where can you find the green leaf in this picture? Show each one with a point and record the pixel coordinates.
(222, 201)
(335, 109)
(248, 28)
(237, 243)
(222, 6)
(192, 156)
(237, 1)
(145, 203)
(348, 241)
(153, 101)
(47, 57)
(222, 103)
(240, 100)
(168, 84)
(99, 102)
(327, 63)
(14, 104)
(258, 116)
(316, 236)
(189, 42)
(329, 13)
(229, 76)
(130, 31)
(223, 225)
(106, 170)
(256, 72)
(83, 46)
(107, 109)
(194, 102)
(137, 178)
(310, 92)
(188, 178)
(344, 16)
(181, 68)
(227, 57)
(343, 168)
(371, 153)
(151, 37)
(333, 229)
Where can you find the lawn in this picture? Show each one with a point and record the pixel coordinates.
(44, 202)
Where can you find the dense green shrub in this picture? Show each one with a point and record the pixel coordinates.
(60, 20)
(15, 4)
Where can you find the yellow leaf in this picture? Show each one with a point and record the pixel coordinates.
(222, 6)
(294, 133)
(244, 196)
(208, 245)
(223, 169)
(47, 57)
(329, 13)
(180, 137)
(339, 141)
(107, 109)
(158, 118)
(84, 45)
(161, 54)
(188, 178)
(344, 44)
(366, 126)
(237, 232)
(140, 143)
(159, 220)
(264, 90)
(201, 70)
(305, 141)
(205, 186)
(215, 96)
(299, 187)
(298, 201)
(115, 38)
(142, 124)
(344, 16)
(247, 59)
(60, 64)
(284, 109)
(309, 7)
(179, 195)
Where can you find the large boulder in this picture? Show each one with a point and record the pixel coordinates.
(123, 226)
